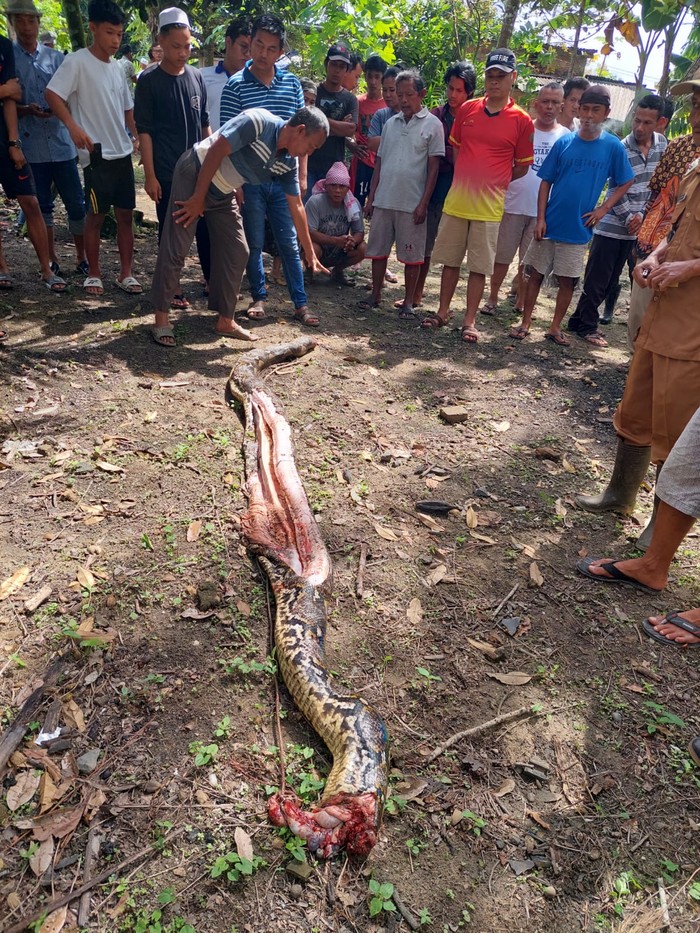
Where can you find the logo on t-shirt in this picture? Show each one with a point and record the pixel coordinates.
(195, 102)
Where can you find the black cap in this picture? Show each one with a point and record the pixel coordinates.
(339, 53)
(503, 59)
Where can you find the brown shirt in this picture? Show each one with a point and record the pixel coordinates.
(671, 326)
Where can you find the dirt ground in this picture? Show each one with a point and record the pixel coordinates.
(121, 481)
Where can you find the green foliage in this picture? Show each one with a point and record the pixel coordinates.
(223, 728)
(233, 867)
(477, 822)
(659, 716)
(381, 898)
(203, 754)
(240, 666)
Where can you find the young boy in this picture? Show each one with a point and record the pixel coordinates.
(335, 224)
(171, 113)
(572, 178)
(362, 165)
(404, 177)
(340, 107)
(89, 94)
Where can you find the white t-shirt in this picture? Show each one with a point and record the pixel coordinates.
(97, 96)
(215, 82)
(521, 196)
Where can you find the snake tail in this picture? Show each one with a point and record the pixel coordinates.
(280, 528)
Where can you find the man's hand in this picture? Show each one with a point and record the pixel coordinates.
(419, 214)
(189, 211)
(315, 266)
(152, 188)
(672, 274)
(635, 222)
(369, 208)
(349, 244)
(239, 195)
(540, 230)
(33, 110)
(136, 143)
(80, 138)
(18, 158)
(643, 270)
(594, 217)
(11, 89)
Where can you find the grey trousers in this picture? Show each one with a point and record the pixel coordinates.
(679, 480)
(229, 250)
(639, 302)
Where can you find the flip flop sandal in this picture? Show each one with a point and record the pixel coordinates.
(406, 314)
(559, 339)
(433, 322)
(255, 314)
(55, 268)
(179, 303)
(130, 285)
(55, 284)
(366, 305)
(489, 310)
(6, 281)
(519, 333)
(675, 619)
(93, 281)
(160, 333)
(306, 317)
(596, 340)
(391, 277)
(82, 268)
(615, 574)
(470, 334)
(400, 303)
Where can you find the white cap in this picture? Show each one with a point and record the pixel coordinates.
(173, 16)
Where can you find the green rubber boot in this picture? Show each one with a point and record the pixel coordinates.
(631, 465)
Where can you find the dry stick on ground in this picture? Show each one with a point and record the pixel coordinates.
(505, 600)
(360, 585)
(14, 735)
(476, 730)
(91, 852)
(404, 911)
(98, 879)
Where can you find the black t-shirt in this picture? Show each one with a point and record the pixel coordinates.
(336, 105)
(172, 109)
(7, 71)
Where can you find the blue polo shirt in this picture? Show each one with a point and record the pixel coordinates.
(44, 139)
(253, 137)
(243, 91)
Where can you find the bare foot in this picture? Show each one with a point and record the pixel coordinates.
(671, 631)
(227, 327)
(638, 568)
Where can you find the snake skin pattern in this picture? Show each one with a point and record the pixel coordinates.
(280, 529)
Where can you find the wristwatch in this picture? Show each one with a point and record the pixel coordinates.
(14, 142)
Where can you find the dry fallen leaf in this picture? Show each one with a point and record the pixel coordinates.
(55, 921)
(500, 426)
(535, 575)
(436, 574)
(480, 537)
(386, 533)
(48, 793)
(85, 578)
(243, 608)
(569, 467)
(472, 519)
(108, 467)
(43, 857)
(150, 417)
(13, 900)
(430, 522)
(488, 518)
(244, 844)
(560, 509)
(59, 823)
(512, 678)
(193, 530)
(73, 715)
(14, 583)
(414, 613)
(507, 787)
(23, 789)
(412, 787)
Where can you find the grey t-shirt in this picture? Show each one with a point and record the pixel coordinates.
(324, 217)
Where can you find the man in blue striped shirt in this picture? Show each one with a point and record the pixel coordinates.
(615, 235)
(262, 84)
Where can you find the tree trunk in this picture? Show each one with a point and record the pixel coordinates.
(670, 35)
(510, 14)
(74, 22)
(577, 38)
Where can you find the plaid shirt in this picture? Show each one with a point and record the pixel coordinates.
(614, 224)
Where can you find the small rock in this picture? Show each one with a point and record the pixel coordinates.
(208, 595)
(617, 716)
(511, 625)
(213, 779)
(88, 760)
(296, 891)
(180, 871)
(150, 787)
(520, 866)
(530, 845)
(594, 854)
(549, 891)
(457, 817)
(300, 870)
(454, 414)
(202, 798)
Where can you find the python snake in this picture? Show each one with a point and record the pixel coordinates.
(280, 529)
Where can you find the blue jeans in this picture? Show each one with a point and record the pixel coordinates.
(269, 200)
(67, 180)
